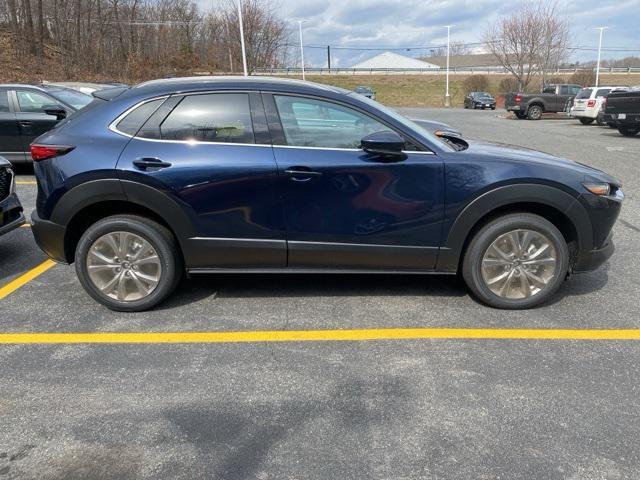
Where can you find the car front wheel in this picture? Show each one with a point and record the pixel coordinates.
(128, 263)
(516, 261)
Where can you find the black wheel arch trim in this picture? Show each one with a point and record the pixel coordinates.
(104, 190)
(484, 204)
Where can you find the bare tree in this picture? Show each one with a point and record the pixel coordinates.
(529, 41)
(455, 48)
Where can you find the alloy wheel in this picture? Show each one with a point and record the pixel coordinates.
(124, 266)
(519, 264)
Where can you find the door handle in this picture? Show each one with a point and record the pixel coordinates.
(145, 163)
(302, 174)
(25, 123)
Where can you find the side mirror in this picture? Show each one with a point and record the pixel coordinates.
(386, 143)
(55, 111)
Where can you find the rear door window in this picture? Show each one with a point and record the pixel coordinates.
(216, 117)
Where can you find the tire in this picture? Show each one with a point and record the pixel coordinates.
(520, 115)
(612, 125)
(600, 121)
(493, 108)
(534, 112)
(628, 132)
(586, 120)
(495, 231)
(167, 263)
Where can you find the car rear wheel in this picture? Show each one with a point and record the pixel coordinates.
(586, 120)
(534, 112)
(516, 261)
(128, 263)
(628, 132)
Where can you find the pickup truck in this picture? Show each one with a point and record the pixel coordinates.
(623, 108)
(554, 98)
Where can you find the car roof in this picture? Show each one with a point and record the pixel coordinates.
(187, 84)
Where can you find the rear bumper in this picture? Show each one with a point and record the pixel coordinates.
(49, 237)
(11, 214)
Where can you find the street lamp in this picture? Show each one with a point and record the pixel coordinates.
(244, 53)
(602, 29)
(447, 97)
(300, 22)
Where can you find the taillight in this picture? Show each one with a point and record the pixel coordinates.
(518, 99)
(43, 152)
(591, 103)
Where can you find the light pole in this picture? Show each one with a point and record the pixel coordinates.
(244, 53)
(602, 29)
(447, 97)
(300, 22)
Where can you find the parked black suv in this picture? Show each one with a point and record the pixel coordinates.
(11, 215)
(27, 111)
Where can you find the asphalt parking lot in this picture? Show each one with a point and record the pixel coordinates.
(418, 407)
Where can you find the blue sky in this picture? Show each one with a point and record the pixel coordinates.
(380, 23)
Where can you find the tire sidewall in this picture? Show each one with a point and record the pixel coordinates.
(145, 229)
(531, 112)
(472, 263)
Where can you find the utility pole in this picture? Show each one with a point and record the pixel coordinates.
(602, 29)
(244, 53)
(300, 22)
(447, 97)
(329, 57)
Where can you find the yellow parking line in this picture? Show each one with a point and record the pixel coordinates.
(321, 335)
(25, 182)
(25, 278)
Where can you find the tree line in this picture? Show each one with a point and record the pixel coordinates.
(144, 38)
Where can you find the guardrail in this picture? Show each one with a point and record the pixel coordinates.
(427, 71)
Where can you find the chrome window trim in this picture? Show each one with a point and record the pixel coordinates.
(112, 125)
(407, 152)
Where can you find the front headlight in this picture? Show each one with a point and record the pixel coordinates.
(12, 185)
(601, 189)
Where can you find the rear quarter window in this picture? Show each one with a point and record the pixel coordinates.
(134, 120)
(603, 92)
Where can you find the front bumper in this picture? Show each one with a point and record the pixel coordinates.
(49, 237)
(593, 259)
(11, 214)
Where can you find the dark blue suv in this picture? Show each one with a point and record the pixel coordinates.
(229, 174)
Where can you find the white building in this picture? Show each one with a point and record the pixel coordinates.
(389, 60)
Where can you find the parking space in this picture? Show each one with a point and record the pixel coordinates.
(408, 405)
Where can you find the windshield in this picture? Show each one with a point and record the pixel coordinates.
(584, 93)
(484, 94)
(405, 121)
(77, 100)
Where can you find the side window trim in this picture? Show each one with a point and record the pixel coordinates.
(277, 131)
